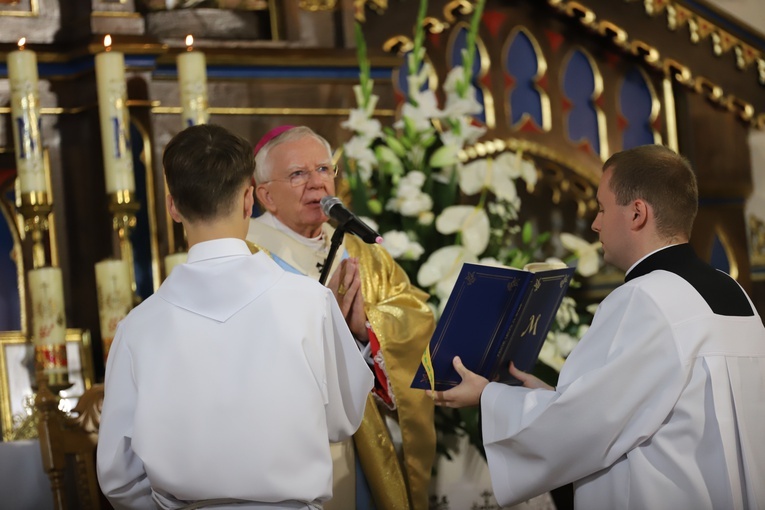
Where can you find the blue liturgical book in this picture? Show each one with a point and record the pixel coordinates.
(493, 316)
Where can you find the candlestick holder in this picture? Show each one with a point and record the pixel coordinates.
(124, 207)
(35, 208)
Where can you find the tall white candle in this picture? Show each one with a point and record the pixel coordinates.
(46, 290)
(173, 260)
(25, 113)
(192, 81)
(115, 119)
(115, 297)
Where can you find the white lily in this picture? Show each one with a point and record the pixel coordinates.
(422, 114)
(587, 253)
(409, 198)
(472, 222)
(357, 149)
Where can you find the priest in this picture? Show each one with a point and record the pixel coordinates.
(660, 405)
(392, 324)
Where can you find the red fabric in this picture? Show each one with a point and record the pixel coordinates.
(270, 136)
(381, 388)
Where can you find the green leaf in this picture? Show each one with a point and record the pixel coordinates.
(526, 233)
(395, 145)
(444, 156)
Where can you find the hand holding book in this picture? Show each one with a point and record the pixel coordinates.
(494, 315)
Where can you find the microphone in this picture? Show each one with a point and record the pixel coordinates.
(333, 207)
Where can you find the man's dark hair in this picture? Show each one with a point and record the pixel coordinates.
(205, 166)
(662, 178)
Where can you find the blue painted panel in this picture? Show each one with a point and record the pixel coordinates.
(579, 86)
(10, 304)
(635, 102)
(141, 235)
(402, 84)
(522, 65)
(719, 257)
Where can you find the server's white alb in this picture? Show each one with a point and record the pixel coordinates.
(196, 409)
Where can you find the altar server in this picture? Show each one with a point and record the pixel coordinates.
(661, 403)
(389, 317)
(224, 388)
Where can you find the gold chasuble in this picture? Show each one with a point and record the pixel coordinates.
(403, 324)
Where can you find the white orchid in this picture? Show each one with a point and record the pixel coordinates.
(587, 253)
(567, 314)
(441, 269)
(516, 166)
(470, 221)
(400, 246)
(491, 174)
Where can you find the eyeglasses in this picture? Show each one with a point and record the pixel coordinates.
(301, 177)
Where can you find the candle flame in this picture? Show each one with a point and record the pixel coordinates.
(22, 42)
(189, 42)
(108, 42)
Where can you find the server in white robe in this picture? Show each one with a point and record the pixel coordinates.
(661, 404)
(224, 388)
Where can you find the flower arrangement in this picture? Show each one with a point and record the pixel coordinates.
(435, 212)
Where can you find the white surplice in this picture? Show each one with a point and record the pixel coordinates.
(228, 382)
(660, 406)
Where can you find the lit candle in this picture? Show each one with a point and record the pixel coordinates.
(46, 291)
(173, 260)
(115, 119)
(25, 113)
(192, 81)
(115, 297)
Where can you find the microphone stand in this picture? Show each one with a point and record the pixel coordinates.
(335, 242)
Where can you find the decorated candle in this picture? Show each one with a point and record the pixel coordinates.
(115, 297)
(115, 119)
(192, 82)
(173, 260)
(25, 113)
(46, 291)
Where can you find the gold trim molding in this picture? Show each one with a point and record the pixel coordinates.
(33, 12)
(678, 16)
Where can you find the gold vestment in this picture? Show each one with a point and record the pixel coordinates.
(403, 324)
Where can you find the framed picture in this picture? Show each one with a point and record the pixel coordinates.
(17, 371)
(19, 8)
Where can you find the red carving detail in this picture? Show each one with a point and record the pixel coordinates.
(530, 126)
(493, 21)
(509, 81)
(621, 122)
(585, 146)
(566, 105)
(656, 124)
(486, 80)
(555, 39)
(599, 101)
(6, 175)
(612, 59)
(435, 40)
(543, 82)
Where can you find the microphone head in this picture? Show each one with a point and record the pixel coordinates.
(327, 202)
